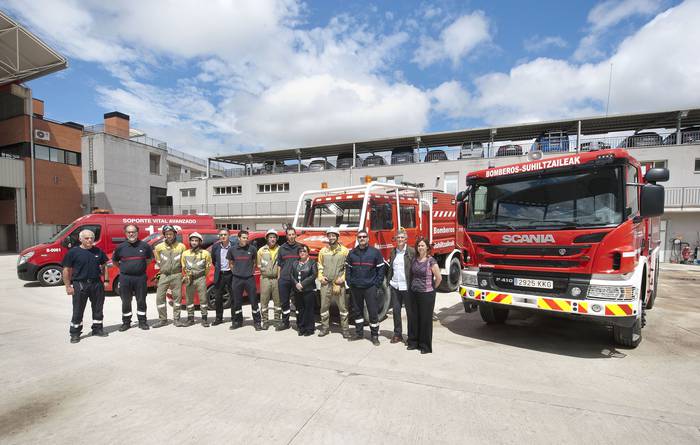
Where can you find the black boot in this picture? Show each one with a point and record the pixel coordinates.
(357, 336)
(375, 340)
(217, 322)
(75, 338)
(205, 322)
(99, 332)
(190, 320)
(283, 326)
(322, 332)
(143, 324)
(160, 324)
(257, 326)
(125, 326)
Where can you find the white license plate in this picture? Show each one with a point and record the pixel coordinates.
(540, 284)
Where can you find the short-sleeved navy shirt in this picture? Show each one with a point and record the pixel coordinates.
(133, 258)
(243, 260)
(85, 263)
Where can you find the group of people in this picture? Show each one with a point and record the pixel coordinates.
(287, 273)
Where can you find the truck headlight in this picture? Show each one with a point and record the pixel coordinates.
(24, 258)
(469, 279)
(624, 293)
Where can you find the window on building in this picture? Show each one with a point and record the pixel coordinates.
(396, 179)
(188, 192)
(228, 190)
(93, 176)
(273, 188)
(408, 217)
(697, 165)
(380, 217)
(632, 192)
(451, 181)
(154, 163)
(57, 155)
(230, 226)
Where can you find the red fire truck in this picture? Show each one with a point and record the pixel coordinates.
(574, 235)
(382, 209)
(43, 262)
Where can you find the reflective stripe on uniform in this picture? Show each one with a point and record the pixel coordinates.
(96, 321)
(73, 325)
(140, 313)
(324, 313)
(127, 315)
(343, 313)
(360, 320)
(240, 311)
(286, 312)
(374, 325)
(161, 305)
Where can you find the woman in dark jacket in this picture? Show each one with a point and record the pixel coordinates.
(425, 278)
(304, 272)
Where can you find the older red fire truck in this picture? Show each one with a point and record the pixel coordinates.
(382, 209)
(575, 235)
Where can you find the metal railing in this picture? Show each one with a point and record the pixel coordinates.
(682, 197)
(244, 209)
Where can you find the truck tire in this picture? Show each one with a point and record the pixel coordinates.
(453, 279)
(493, 314)
(211, 295)
(51, 275)
(652, 296)
(629, 337)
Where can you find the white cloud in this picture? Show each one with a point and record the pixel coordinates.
(653, 69)
(606, 15)
(539, 44)
(451, 99)
(455, 41)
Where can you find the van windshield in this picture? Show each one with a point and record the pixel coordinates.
(341, 214)
(61, 234)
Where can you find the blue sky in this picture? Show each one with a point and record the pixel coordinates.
(223, 77)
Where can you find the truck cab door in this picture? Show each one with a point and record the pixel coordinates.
(381, 223)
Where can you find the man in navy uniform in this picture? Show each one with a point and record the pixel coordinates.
(242, 258)
(83, 268)
(131, 257)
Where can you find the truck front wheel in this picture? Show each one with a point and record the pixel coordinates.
(450, 281)
(629, 337)
(493, 314)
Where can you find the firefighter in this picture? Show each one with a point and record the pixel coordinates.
(196, 263)
(222, 274)
(131, 257)
(83, 268)
(168, 260)
(287, 254)
(241, 260)
(331, 274)
(267, 264)
(364, 274)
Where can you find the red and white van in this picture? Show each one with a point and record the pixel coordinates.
(43, 262)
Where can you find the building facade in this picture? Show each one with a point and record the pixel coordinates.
(262, 197)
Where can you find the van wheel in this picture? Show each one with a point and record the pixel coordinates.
(492, 314)
(50, 276)
(453, 279)
(211, 296)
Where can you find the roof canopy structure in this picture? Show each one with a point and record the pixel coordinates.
(589, 126)
(23, 56)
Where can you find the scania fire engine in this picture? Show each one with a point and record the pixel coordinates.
(382, 209)
(574, 235)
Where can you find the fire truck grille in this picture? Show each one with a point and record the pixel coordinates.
(533, 262)
(554, 251)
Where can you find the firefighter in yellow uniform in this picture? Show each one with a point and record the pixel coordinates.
(267, 264)
(196, 263)
(169, 263)
(331, 274)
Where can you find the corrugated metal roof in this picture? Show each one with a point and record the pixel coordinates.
(23, 56)
(589, 126)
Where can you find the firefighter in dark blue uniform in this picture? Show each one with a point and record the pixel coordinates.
(242, 258)
(83, 268)
(132, 256)
(364, 273)
(286, 255)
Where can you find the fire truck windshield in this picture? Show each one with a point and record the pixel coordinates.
(340, 214)
(583, 198)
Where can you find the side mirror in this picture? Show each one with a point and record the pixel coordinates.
(461, 212)
(654, 175)
(652, 199)
(460, 196)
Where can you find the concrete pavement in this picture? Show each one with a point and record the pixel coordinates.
(534, 379)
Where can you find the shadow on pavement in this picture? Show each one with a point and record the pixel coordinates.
(535, 332)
